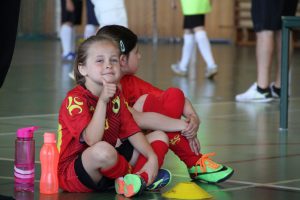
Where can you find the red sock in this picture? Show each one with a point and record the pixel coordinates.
(181, 147)
(160, 148)
(121, 168)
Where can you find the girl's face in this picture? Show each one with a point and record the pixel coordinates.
(131, 63)
(103, 62)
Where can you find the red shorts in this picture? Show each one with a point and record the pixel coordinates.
(69, 181)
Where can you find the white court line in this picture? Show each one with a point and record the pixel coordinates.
(248, 184)
(269, 185)
(12, 178)
(6, 177)
(29, 116)
(36, 132)
(253, 184)
(12, 160)
(199, 104)
(7, 159)
(272, 183)
(194, 104)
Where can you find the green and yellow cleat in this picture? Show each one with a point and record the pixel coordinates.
(130, 185)
(209, 171)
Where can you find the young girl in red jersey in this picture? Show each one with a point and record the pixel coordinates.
(99, 141)
(144, 97)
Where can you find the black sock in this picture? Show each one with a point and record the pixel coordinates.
(276, 90)
(264, 91)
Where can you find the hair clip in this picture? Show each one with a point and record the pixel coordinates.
(122, 46)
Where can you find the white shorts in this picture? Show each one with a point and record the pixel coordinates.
(110, 12)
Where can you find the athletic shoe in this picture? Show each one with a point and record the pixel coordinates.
(176, 69)
(209, 171)
(252, 95)
(275, 92)
(162, 179)
(69, 57)
(211, 72)
(130, 185)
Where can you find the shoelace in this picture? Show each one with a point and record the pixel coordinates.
(203, 165)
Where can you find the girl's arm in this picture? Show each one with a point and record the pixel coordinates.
(140, 143)
(94, 131)
(156, 121)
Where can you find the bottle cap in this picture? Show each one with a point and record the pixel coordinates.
(49, 138)
(26, 132)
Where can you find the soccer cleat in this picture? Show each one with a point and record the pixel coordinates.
(162, 179)
(130, 185)
(252, 95)
(176, 69)
(211, 72)
(209, 171)
(119, 185)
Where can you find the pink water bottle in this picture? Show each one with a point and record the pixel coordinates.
(24, 159)
(49, 160)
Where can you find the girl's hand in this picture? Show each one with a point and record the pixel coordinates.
(151, 168)
(192, 128)
(195, 145)
(108, 91)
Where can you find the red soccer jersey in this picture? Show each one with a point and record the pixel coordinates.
(134, 87)
(75, 114)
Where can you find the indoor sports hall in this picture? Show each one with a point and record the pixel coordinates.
(246, 136)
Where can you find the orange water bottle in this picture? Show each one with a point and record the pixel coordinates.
(49, 161)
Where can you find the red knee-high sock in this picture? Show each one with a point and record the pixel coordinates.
(121, 168)
(181, 147)
(160, 148)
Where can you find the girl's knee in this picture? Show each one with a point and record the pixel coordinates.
(174, 101)
(104, 152)
(175, 93)
(158, 135)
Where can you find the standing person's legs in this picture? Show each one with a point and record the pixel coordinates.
(181, 68)
(278, 65)
(92, 23)
(205, 50)
(264, 56)
(289, 8)
(187, 49)
(266, 17)
(67, 32)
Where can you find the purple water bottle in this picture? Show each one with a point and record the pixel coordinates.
(24, 159)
